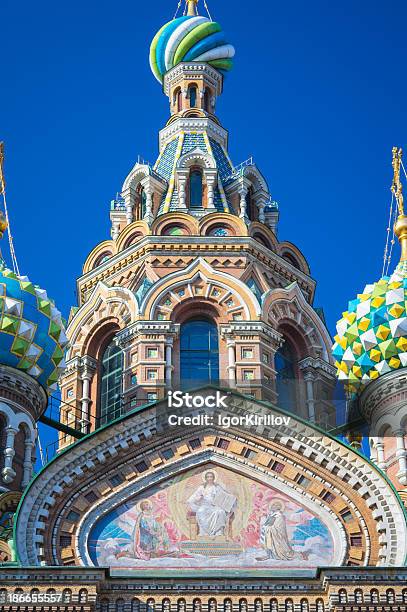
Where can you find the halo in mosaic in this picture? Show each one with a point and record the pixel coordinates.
(190, 39)
(32, 334)
(371, 337)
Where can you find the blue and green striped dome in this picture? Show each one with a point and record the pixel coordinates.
(190, 39)
(32, 334)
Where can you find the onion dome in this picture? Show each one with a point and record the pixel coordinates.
(371, 337)
(32, 334)
(191, 38)
(372, 334)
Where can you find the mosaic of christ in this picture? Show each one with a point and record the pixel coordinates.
(207, 518)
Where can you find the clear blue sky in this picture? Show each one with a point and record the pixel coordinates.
(317, 96)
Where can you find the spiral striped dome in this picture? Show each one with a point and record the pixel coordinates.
(190, 39)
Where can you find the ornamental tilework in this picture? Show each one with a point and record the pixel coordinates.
(372, 334)
(32, 334)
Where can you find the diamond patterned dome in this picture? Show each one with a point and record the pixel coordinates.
(32, 334)
(372, 334)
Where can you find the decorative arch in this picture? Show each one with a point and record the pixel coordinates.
(288, 307)
(268, 238)
(216, 286)
(196, 157)
(253, 174)
(137, 174)
(276, 460)
(183, 220)
(293, 255)
(131, 234)
(106, 306)
(233, 224)
(106, 248)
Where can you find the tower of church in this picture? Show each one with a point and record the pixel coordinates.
(229, 508)
(194, 285)
(32, 341)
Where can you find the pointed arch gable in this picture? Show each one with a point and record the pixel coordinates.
(131, 445)
(288, 305)
(200, 269)
(106, 306)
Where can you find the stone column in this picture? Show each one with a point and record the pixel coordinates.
(148, 216)
(401, 455)
(28, 464)
(231, 345)
(8, 473)
(211, 176)
(182, 176)
(243, 204)
(309, 385)
(381, 463)
(87, 372)
(168, 362)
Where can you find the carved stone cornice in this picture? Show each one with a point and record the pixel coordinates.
(142, 328)
(246, 328)
(318, 364)
(22, 391)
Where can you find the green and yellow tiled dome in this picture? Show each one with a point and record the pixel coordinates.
(372, 334)
(32, 334)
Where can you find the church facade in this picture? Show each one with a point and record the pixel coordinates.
(198, 467)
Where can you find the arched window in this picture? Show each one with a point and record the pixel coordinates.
(178, 99)
(199, 353)
(196, 605)
(207, 100)
(374, 596)
(83, 596)
(104, 605)
(343, 596)
(304, 605)
(143, 201)
(193, 95)
(120, 605)
(181, 605)
(404, 595)
(150, 607)
(243, 605)
(250, 205)
(358, 596)
(135, 605)
(258, 605)
(289, 605)
(212, 605)
(320, 606)
(285, 366)
(227, 605)
(273, 605)
(111, 383)
(195, 188)
(390, 596)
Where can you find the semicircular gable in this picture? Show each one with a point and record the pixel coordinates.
(312, 472)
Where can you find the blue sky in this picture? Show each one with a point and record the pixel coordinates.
(317, 96)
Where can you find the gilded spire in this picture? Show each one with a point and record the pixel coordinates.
(192, 7)
(3, 221)
(400, 227)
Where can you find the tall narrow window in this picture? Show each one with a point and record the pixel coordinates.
(111, 383)
(178, 100)
(193, 94)
(207, 100)
(143, 203)
(286, 383)
(199, 353)
(195, 189)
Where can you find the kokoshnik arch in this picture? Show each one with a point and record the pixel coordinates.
(194, 288)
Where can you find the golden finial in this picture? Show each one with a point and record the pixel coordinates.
(192, 7)
(400, 228)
